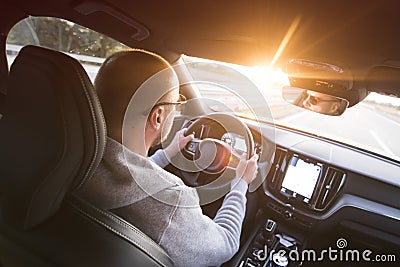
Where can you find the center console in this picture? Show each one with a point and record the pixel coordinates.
(271, 248)
(299, 188)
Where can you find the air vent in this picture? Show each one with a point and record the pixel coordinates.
(333, 182)
(279, 159)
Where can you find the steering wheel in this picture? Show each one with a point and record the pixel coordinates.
(212, 156)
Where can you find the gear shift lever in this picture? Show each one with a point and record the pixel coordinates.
(269, 232)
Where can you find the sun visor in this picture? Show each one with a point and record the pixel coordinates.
(384, 80)
(319, 76)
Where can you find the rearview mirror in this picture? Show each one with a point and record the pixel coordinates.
(315, 101)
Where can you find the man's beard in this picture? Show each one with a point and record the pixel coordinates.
(157, 141)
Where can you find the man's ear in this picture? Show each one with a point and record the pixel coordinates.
(155, 119)
(335, 107)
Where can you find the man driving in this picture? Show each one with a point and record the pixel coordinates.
(138, 111)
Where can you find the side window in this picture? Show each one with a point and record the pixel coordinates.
(87, 46)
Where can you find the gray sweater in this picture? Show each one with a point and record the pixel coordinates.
(160, 205)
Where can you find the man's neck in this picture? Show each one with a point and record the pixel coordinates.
(134, 142)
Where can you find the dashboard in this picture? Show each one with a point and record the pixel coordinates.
(315, 192)
(315, 183)
(318, 185)
(313, 187)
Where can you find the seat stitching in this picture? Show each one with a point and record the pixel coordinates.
(119, 233)
(117, 220)
(93, 113)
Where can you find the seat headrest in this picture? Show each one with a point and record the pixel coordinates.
(52, 135)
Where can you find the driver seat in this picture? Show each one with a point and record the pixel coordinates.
(52, 138)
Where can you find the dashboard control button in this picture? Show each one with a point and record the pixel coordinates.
(192, 146)
(288, 215)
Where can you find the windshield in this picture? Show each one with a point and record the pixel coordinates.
(369, 125)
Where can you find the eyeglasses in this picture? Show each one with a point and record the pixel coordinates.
(181, 100)
(315, 100)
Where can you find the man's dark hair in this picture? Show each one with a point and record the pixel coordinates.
(120, 76)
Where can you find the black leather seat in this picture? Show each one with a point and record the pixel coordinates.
(52, 138)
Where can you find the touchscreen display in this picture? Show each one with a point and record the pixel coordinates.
(300, 178)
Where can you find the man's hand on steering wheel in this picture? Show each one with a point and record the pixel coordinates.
(207, 154)
(178, 143)
(247, 169)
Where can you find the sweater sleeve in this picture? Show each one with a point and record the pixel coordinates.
(231, 214)
(160, 158)
(193, 239)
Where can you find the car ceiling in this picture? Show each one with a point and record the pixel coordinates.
(357, 34)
